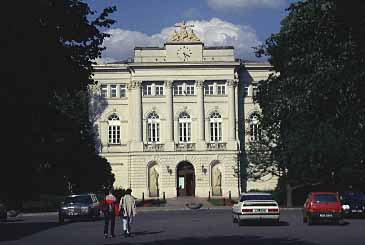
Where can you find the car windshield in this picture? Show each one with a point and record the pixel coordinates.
(256, 197)
(353, 196)
(78, 199)
(320, 198)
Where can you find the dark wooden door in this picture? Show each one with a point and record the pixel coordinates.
(185, 180)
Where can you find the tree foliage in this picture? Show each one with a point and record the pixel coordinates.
(47, 50)
(313, 109)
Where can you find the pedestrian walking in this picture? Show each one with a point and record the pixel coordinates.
(127, 207)
(109, 211)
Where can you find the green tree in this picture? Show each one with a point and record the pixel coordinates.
(47, 51)
(312, 105)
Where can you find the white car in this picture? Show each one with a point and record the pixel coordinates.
(256, 206)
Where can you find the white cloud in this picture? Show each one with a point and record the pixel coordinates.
(243, 4)
(214, 32)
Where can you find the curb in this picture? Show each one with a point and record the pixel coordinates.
(37, 214)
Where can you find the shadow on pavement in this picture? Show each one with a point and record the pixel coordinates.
(252, 240)
(142, 233)
(13, 231)
(330, 223)
(263, 223)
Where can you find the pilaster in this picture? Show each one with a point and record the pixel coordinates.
(231, 110)
(169, 145)
(201, 115)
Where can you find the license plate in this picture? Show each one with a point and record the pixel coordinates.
(260, 210)
(356, 211)
(325, 215)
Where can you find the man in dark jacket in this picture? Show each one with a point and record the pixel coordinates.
(109, 214)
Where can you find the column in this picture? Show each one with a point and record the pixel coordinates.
(231, 110)
(201, 115)
(170, 111)
(135, 113)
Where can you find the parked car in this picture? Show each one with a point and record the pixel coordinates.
(256, 206)
(322, 206)
(3, 211)
(79, 206)
(353, 203)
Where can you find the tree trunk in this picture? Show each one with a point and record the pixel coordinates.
(289, 196)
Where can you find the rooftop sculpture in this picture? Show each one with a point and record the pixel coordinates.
(183, 35)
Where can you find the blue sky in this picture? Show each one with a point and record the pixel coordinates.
(241, 23)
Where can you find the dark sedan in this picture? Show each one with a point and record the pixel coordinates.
(3, 212)
(353, 203)
(79, 206)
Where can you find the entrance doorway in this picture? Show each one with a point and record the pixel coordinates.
(185, 179)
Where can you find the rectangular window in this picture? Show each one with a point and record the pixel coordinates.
(114, 134)
(221, 89)
(153, 132)
(104, 91)
(216, 132)
(190, 89)
(255, 132)
(254, 91)
(178, 89)
(185, 132)
(246, 91)
(147, 89)
(123, 90)
(159, 90)
(113, 91)
(209, 89)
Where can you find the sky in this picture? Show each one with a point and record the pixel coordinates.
(148, 23)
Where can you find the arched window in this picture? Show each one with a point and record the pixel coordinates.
(153, 128)
(184, 127)
(255, 131)
(215, 123)
(114, 129)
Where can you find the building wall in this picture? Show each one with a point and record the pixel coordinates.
(132, 159)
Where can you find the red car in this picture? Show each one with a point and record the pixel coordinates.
(324, 206)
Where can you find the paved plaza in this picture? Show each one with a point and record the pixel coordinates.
(182, 227)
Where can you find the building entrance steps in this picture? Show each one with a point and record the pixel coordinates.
(181, 202)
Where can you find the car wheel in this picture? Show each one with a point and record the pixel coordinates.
(340, 222)
(234, 220)
(305, 219)
(310, 221)
(61, 219)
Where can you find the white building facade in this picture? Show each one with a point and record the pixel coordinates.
(174, 121)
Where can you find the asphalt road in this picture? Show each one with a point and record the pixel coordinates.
(189, 227)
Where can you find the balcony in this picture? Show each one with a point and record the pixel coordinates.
(216, 146)
(185, 147)
(153, 147)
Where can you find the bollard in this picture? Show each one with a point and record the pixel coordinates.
(229, 195)
(224, 201)
(163, 196)
(209, 195)
(142, 197)
(158, 197)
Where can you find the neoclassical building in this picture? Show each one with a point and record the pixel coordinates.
(174, 120)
